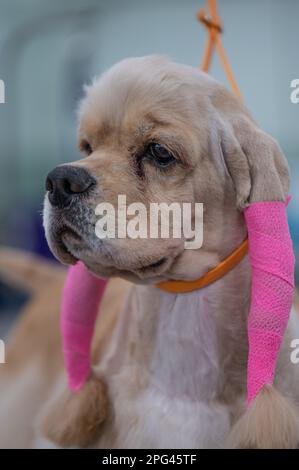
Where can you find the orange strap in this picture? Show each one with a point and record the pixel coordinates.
(214, 25)
(211, 276)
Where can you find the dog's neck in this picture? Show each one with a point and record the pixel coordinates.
(190, 345)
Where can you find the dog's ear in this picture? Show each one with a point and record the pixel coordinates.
(254, 160)
(75, 419)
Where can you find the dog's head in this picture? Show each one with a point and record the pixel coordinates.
(158, 132)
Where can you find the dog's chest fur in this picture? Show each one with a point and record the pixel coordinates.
(184, 362)
(164, 373)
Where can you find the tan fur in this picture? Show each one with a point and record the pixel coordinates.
(271, 422)
(75, 419)
(28, 271)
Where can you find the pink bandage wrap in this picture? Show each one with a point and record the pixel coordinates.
(272, 261)
(81, 299)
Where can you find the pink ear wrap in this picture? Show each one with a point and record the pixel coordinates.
(272, 261)
(82, 296)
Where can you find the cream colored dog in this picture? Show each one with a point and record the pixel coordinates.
(174, 366)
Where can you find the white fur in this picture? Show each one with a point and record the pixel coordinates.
(182, 375)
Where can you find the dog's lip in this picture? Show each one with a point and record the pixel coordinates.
(66, 231)
(155, 265)
(156, 268)
(61, 241)
(62, 253)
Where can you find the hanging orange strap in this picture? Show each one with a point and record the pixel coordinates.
(214, 25)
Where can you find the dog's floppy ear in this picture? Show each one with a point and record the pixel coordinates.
(260, 175)
(254, 160)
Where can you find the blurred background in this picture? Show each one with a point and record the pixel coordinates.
(48, 50)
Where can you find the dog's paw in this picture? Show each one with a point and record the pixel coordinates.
(74, 420)
(271, 422)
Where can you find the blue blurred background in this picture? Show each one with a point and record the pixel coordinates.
(49, 49)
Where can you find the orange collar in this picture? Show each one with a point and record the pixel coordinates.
(211, 276)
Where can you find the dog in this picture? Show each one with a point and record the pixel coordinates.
(169, 369)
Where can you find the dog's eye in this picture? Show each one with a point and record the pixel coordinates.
(85, 147)
(160, 154)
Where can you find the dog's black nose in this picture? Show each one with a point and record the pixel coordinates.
(66, 181)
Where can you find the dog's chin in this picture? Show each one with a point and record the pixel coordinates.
(141, 273)
(153, 270)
